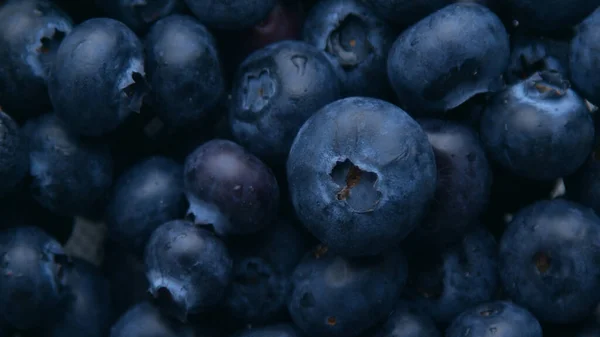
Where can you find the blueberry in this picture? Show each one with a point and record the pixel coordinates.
(405, 12)
(276, 89)
(229, 188)
(358, 42)
(495, 319)
(464, 181)
(31, 33)
(184, 71)
(87, 310)
(549, 16)
(69, 175)
(361, 174)
(583, 59)
(14, 161)
(276, 330)
(146, 320)
(97, 78)
(337, 296)
(32, 269)
(448, 57)
(139, 15)
(188, 268)
(548, 260)
(464, 275)
(531, 54)
(231, 14)
(407, 323)
(147, 195)
(539, 128)
(258, 293)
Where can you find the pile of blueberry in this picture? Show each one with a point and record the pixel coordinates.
(297, 168)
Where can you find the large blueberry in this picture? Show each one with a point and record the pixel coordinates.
(531, 54)
(335, 296)
(444, 285)
(464, 181)
(33, 280)
(584, 60)
(230, 14)
(448, 57)
(14, 161)
(549, 260)
(31, 33)
(188, 268)
(97, 78)
(146, 320)
(538, 128)
(549, 16)
(70, 176)
(276, 89)
(87, 303)
(405, 12)
(276, 330)
(147, 195)
(184, 71)
(229, 188)
(361, 174)
(495, 319)
(139, 15)
(358, 42)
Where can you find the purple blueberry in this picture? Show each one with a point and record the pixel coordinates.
(229, 188)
